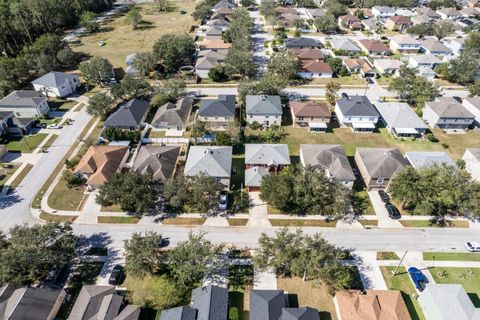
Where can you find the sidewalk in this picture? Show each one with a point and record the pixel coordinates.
(258, 214)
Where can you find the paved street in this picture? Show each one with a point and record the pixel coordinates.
(259, 37)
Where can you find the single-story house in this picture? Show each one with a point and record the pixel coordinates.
(219, 22)
(379, 165)
(420, 19)
(447, 113)
(129, 115)
(100, 163)
(344, 44)
(449, 13)
(472, 162)
(207, 59)
(360, 65)
(263, 109)
(447, 301)
(387, 66)
(404, 12)
(426, 11)
(224, 4)
(432, 46)
(213, 161)
(218, 112)
(374, 304)
(382, 11)
(398, 23)
(428, 60)
(350, 21)
(314, 13)
(331, 158)
(314, 69)
(211, 302)
(262, 159)
(400, 120)
(315, 116)
(173, 116)
(356, 112)
(25, 103)
(131, 70)
(465, 23)
(422, 159)
(468, 12)
(405, 44)
(267, 304)
(472, 104)
(308, 54)
(214, 33)
(374, 47)
(216, 44)
(159, 161)
(426, 72)
(301, 43)
(372, 24)
(57, 84)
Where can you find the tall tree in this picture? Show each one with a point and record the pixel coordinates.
(267, 9)
(174, 51)
(474, 89)
(332, 93)
(283, 64)
(145, 63)
(97, 70)
(143, 254)
(131, 88)
(88, 20)
(169, 91)
(134, 17)
(99, 105)
(326, 23)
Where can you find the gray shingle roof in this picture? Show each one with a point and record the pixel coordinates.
(382, 162)
(353, 106)
(23, 98)
(264, 105)
(400, 115)
(420, 159)
(206, 63)
(211, 303)
(434, 45)
(301, 42)
(90, 300)
(213, 161)
(267, 154)
(329, 157)
(266, 304)
(224, 106)
(344, 44)
(447, 107)
(174, 114)
(130, 312)
(54, 79)
(159, 161)
(305, 313)
(254, 176)
(179, 313)
(129, 114)
(475, 152)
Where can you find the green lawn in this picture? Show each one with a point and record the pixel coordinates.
(402, 282)
(351, 80)
(451, 256)
(18, 179)
(429, 224)
(184, 221)
(387, 255)
(237, 222)
(6, 173)
(26, 144)
(469, 278)
(302, 223)
(240, 280)
(50, 141)
(61, 105)
(65, 198)
(119, 220)
(57, 218)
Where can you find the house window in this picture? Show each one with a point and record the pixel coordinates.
(371, 119)
(301, 118)
(380, 180)
(266, 117)
(251, 117)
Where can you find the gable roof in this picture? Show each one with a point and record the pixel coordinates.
(329, 157)
(23, 98)
(357, 106)
(400, 115)
(425, 59)
(174, 114)
(400, 19)
(266, 304)
(254, 176)
(214, 44)
(214, 31)
(267, 154)
(434, 45)
(305, 313)
(96, 302)
(449, 12)
(350, 18)
(212, 161)
(474, 101)
(382, 162)
(307, 53)
(386, 64)
(447, 107)
(159, 161)
(54, 79)
(309, 109)
(405, 39)
(420, 159)
(129, 114)
(374, 45)
(344, 44)
(384, 9)
(301, 42)
(427, 12)
(223, 106)
(211, 302)
(263, 105)
(315, 66)
(475, 152)
(179, 313)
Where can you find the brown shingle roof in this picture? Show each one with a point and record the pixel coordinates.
(214, 44)
(315, 66)
(374, 45)
(309, 109)
(400, 20)
(349, 18)
(308, 54)
(281, 10)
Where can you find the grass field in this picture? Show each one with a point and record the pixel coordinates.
(302, 223)
(369, 223)
(61, 105)
(121, 40)
(469, 278)
(26, 144)
(402, 282)
(120, 220)
(64, 198)
(112, 208)
(428, 224)
(451, 256)
(387, 255)
(351, 80)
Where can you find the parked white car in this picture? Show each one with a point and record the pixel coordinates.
(54, 126)
(472, 246)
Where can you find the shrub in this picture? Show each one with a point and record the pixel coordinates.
(217, 74)
(254, 125)
(233, 314)
(431, 137)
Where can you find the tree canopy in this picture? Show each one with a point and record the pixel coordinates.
(174, 51)
(131, 88)
(100, 105)
(97, 70)
(143, 254)
(283, 64)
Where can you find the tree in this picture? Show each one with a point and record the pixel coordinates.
(119, 134)
(267, 9)
(218, 73)
(134, 17)
(191, 260)
(169, 91)
(421, 30)
(174, 51)
(131, 190)
(99, 105)
(131, 88)
(443, 28)
(145, 63)
(88, 20)
(203, 10)
(248, 3)
(240, 62)
(463, 69)
(158, 293)
(472, 43)
(283, 64)
(162, 5)
(337, 66)
(475, 89)
(30, 253)
(199, 128)
(97, 70)
(234, 131)
(267, 85)
(334, 8)
(326, 23)
(222, 139)
(203, 193)
(332, 93)
(143, 254)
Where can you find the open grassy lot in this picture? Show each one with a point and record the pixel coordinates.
(61, 104)
(64, 198)
(402, 282)
(429, 224)
(469, 278)
(121, 40)
(26, 144)
(387, 255)
(451, 256)
(457, 143)
(6, 173)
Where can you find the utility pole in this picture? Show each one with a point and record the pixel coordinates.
(398, 266)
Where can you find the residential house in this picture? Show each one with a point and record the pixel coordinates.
(57, 84)
(30, 303)
(25, 103)
(426, 11)
(263, 109)
(356, 112)
(331, 158)
(286, 10)
(473, 3)
(374, 47)
(290, 21)
(207, 59)
(432, 46)
(301, 43)
(383, 12)
(426, 72)
(404, 12)
(267, 304)
(455, 45)
(216, 44)
(129, 115)
(15, 126)
(131, 70)
(372, 24)
(405, 44)
(314, 69)
(468, 12)
(213, 161)
(314, 13)
(398, 23)
(387, 66)
(360, 65)
(308, 54)
(224, 4)
(179, 313)
(222, 12)
(422, 159)
(379, 165)
(345, 45)
(5, 117)
(428, 60)
(211, 303)
(447, 301)
(449, 13)
(400, 120)
(421, 19)
(102, 303)
(219, 22)
(218, 112)
(462, 23)
(350, 21)
(374, 304)
(315, 116)
(100, 163)
(304, 313)
(214, 33)
(472, 104)
(263, 159)
(472, 162)
(158, 161)
(447, 113)
(173, 116)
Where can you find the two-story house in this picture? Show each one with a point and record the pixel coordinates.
(405, 44)
(213, 161)
(398, 23)
(473, 105)
(57, 84)
(218, 112)
(357, 113)
(263, 109)
(383, 12)
(311, 115)
(25, 103)
(447, 113)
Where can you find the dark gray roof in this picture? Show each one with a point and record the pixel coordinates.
(330, 157)
(263, 105)
(305, 313)
(179, 313)
(353, 106)
(23, 98)
(266, 304)
(211, 303)
(90, 300)
(129, 114)
(301, 42)
(54, 79)
(5, 114)
(159, 161)
(224, 106)
(174, 114)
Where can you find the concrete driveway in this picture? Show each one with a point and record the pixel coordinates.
(384, 221)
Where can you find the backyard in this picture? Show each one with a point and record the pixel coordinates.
(469, 278)
(240, 281)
